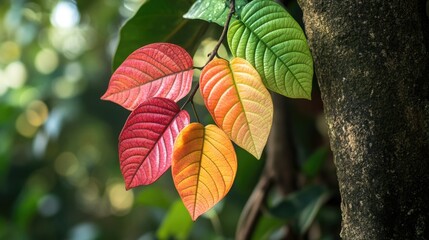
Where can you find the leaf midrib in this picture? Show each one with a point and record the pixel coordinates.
(234, 83)
(153, 146)
(199, 173)
(277, 57)
(144, 83)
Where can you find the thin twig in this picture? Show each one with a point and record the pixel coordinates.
(225, 30)
(279, 171)
(252, 210)
(195, 111)
(214, 53)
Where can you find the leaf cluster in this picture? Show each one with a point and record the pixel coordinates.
(270, 53)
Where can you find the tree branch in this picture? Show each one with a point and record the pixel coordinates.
(214, 53)
(252, 210)
(279, 171)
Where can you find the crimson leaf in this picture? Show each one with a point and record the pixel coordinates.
(147, 139)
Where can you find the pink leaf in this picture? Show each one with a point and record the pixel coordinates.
(147, 139)
(155, 70)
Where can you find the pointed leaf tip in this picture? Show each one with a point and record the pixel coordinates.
(155, 70)
(204, 166)
(147, 139)
(239, 103)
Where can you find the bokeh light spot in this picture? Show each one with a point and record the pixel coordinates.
(15, 74)
(84, 231)
(23, 127)
(37, 112)
(9, 52)
(65, 15)
(46, 61)
(48, 205)
(66, 164)
(27, 95)
(73, 71)
(120, 199)
(64, 88)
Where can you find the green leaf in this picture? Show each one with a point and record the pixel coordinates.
(159, 21)
(269, 38)
(315, 162)
(177, 224)
(25, 208)
(212, 10)
(301, 206)
(154, 196)
(266, 226)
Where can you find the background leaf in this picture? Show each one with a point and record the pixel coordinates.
(238, 102)
(301, 206)
(154, 196)
(147, 139)
(177, 224)
(266, 226)
(156, 70)
(204, 166)
(212, 10)
(159, 21)
(273, 42)
(311, 167)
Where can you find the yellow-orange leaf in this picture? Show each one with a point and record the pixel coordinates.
(238, 102)
(204, 165)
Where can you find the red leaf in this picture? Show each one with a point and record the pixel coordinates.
(155, 70)
(147, 139)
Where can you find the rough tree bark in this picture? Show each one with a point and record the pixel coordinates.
(372, 64)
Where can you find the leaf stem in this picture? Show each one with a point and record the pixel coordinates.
(214, 53)
(195, 111)
(224, 31)
(216, 224)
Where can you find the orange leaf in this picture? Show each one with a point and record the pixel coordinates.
(204, 165)
(238, 102)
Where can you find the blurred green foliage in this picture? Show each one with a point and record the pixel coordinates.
(173, 28)
(59, 170)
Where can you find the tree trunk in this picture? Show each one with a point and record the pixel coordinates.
(372, 64)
